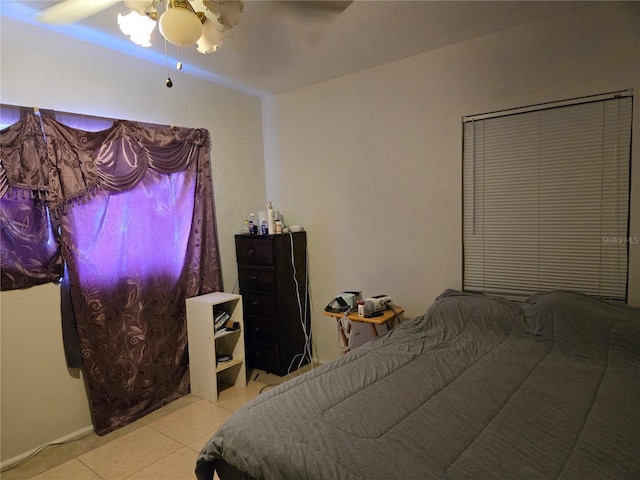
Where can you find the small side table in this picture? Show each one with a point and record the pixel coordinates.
(387, 318)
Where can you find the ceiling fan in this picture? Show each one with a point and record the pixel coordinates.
(180, 22)
(183, 22)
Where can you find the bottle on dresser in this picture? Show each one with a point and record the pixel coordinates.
(271, 219)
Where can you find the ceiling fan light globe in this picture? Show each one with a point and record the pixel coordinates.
(180, 26)
(137, 27)
(211, 38)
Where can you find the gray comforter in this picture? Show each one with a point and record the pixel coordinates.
(477, 388)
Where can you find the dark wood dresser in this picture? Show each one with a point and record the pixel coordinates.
(273, 285)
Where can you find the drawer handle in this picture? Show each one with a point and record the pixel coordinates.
(253, 278)
(251, 251)
(255, 303)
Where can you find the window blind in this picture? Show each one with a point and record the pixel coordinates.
(546, 199)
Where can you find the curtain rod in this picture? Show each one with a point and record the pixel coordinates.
(52, 113)
(548, 105)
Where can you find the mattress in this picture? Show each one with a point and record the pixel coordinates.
(477, 387)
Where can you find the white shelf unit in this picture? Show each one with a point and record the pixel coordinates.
(205, 344)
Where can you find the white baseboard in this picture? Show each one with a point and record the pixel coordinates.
(65, 439)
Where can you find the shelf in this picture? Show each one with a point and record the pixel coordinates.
(224, 365)
(224, 333)
(205, 345)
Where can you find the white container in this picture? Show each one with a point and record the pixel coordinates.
(271, 220)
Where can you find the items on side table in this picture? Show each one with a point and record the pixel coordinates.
(355, 329)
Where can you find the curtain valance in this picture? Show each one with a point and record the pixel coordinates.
(61, 163)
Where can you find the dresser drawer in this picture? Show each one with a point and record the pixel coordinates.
(254, 251)
(259, 305)
(263, 356)
(257, 278)
(259, 329)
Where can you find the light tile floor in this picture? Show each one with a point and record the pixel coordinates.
(161, 446)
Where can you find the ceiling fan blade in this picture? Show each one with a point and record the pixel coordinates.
(69, 11)
(335, 6)
(228, 12)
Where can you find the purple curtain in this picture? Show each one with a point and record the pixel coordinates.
(133, 208)
(29, 253)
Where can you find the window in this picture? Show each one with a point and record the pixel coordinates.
(546, 198)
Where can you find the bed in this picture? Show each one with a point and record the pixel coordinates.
(478, 387)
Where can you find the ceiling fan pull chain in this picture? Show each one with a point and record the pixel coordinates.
(168, 83)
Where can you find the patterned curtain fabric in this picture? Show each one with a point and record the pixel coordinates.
(133, 208)
(29, 254)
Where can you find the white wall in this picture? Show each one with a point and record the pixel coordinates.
(41, 400)
(371, 163)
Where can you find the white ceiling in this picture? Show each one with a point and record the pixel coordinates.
(279, 46)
